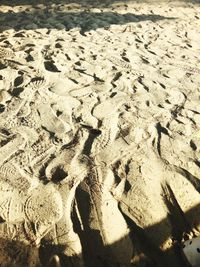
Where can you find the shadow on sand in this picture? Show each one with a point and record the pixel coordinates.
(67, 18)
(86, 21)
(146, 242)
(15, 253)
(85, 3)
(145, 252)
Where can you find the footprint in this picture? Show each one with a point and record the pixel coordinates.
(6, 53)
(50, 122)
(6, 151)
(16, 179)
(120, 62)
(108, 134)
(109, 107)
(176, 97)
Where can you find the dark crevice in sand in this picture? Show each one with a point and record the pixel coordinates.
(88, 144)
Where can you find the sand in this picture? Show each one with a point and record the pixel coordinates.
(99, 132)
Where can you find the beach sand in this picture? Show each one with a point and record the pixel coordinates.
(99, 132)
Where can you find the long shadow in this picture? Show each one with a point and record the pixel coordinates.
(84, 20)
(84, 3)
(14, 253)
(145, 252)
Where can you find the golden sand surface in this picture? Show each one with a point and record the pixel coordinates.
(99, 132)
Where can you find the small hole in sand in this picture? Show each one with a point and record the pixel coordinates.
(50, 66)
(1, 220)
(17, 91)
(147, 103)
(19, 80)
(193, 146)
(2, 66)
(58, 113)
(113, 94)
(2, 108)
(95, 131)
(59, 174)
(57, 45)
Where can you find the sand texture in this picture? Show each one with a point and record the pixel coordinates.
(99, 133)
